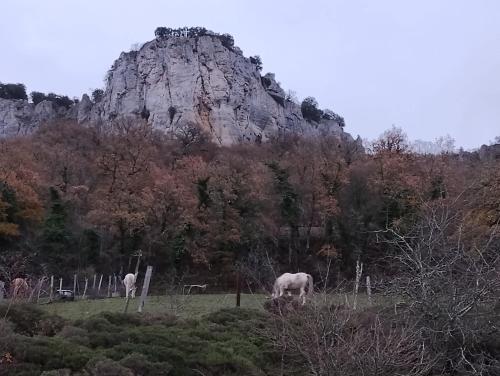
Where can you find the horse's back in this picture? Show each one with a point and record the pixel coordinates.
(129, 280)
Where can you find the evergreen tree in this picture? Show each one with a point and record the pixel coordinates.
(56, 238)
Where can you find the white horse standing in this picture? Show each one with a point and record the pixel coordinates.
(129, 282)
(289, 281)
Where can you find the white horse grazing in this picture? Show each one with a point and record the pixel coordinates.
(129, 282)
(289, 281)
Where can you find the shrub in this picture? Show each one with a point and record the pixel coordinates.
(37, 97)
(171, 113)
(257, 61)
(75, 335)
(50, 325)
(266, 82)
(21, 369)
(25, 317)
(13, 91)
(50, 353)
(97, 95)
(57, 100)
(7, 336)
(227, 342)
(227, 40)
(330, 340)
(107, 367)
(60, 100)
(310, 110)
(330, 115)
(140, 365)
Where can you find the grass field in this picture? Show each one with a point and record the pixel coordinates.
(185, 306)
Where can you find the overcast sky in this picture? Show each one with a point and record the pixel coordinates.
(431, 67)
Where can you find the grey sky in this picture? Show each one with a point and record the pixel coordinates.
(431, 67)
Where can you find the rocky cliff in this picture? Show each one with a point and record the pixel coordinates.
(19, 117)
(178, 81)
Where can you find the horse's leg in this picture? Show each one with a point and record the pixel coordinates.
(126, 291)
(303, 295)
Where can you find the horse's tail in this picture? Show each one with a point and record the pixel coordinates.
(310, 289)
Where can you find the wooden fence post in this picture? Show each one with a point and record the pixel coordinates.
(359, 272)
(145, 288)
(238, 288)
(74, 286)
(139, 255)
(93, 285)
(100, 283)
(109, 287)
(51, 288)
(85, 288)
(32, 292)
(369, 290)
(60, 285)
(39, 289)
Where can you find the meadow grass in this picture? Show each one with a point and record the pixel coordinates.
(185, 306)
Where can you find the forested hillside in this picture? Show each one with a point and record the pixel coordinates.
(78, 199)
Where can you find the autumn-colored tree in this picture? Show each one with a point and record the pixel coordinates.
(19, 201)
(120, 200)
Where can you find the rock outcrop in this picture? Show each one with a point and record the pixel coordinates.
(19, 117)
(177, 81)
(180, 81)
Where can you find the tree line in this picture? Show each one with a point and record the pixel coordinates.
(193, 32)
(18, 91)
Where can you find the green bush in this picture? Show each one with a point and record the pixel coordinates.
(58, 100)
(107, 367)
(140, 365)
(310, 110)
(13, 91)
(50, 326)
(227, 342)
(97, 95)
(28, 319)
(20, 369)
(75, 335)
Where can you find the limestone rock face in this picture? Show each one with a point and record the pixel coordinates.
(178, 81)
(84, 109)
(19, 117)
